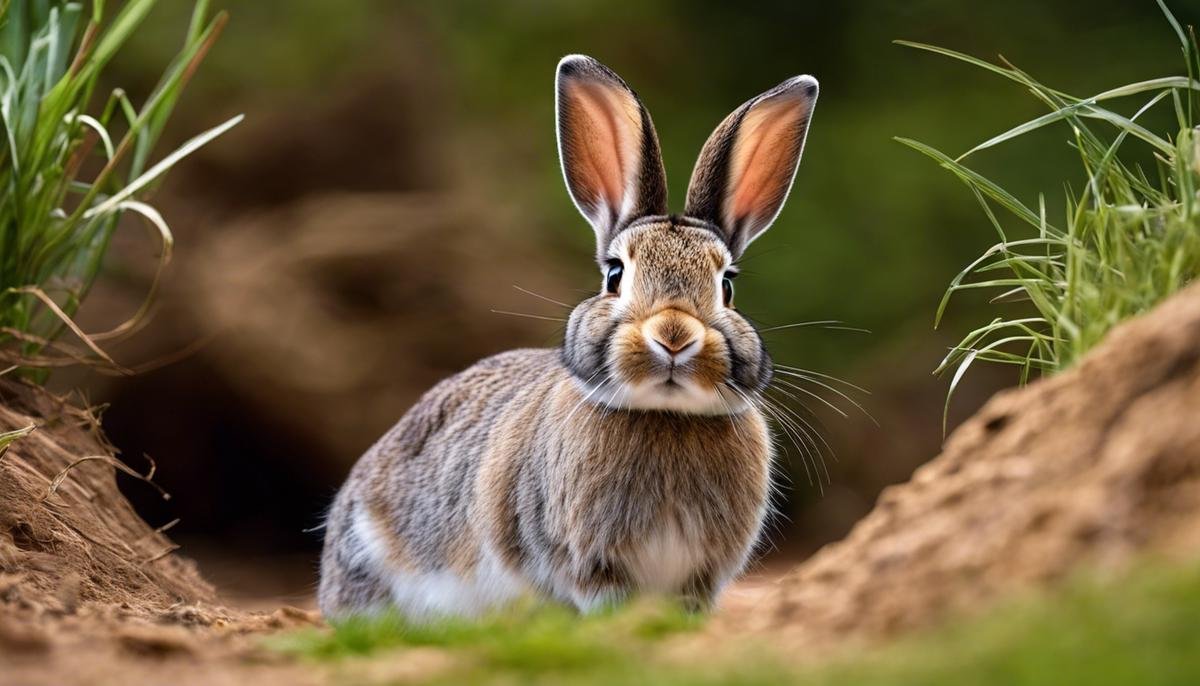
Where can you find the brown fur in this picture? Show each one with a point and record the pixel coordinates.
(560, 507)
(635, 457)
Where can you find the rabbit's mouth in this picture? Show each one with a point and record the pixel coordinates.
(674, 391)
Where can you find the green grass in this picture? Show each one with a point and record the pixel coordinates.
(528, 643)
(1128, 238)
(7, 438)
(73, 161)
(1141, 628)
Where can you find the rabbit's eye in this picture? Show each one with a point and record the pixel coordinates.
(612, 280)
(727, 290)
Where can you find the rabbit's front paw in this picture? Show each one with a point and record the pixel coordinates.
(601, 584)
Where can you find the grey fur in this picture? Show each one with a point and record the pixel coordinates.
(514, 477)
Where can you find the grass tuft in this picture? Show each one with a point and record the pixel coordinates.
(537, 638)
(1127, 240)
(73, 162)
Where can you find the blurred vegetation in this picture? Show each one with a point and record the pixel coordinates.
(1129, 239)
(57, 215)
(870, 235)
(1140, 628)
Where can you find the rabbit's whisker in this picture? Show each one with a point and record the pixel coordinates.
(530, 316)
(799, 417)
(566, 421)
(801, 425)
(807, 392)
(623, 395)
(831, 324)
(790, 431)
(828, 377)
(809, 451)
(799, 402)
(792, 420)
(732, 417)
(526, 291)
(826, 386)
(810, 432)
(803, 325)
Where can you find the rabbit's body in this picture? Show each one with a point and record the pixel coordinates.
(635, 458)
(481, 494)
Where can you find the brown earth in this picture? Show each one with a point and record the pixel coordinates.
(67, 535)
(88, 591)
(1089, 468)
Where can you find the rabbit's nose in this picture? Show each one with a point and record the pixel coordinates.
(677, 352)
(674, 345)
(674, 336)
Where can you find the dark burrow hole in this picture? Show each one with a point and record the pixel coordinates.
(238, 483)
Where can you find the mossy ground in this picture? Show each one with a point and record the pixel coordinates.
(1143, 628)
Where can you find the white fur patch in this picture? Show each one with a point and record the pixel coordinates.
(374, 549)
(433, 593)
(661, 565)
(666, 558)
(684, 397)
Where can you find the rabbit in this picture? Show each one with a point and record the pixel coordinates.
(634, 459)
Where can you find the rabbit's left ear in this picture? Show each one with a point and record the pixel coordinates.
(608, 148)
(748, 164)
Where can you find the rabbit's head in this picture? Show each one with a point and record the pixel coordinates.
(662, 334)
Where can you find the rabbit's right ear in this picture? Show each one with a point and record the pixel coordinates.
(748, 164)
(608, 148)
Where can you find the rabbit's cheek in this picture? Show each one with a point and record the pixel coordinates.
(710, 368)
(630, 357)
(747, 356)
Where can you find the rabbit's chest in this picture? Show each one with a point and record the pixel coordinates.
(664, 557)
(659, 501)
(660, 527)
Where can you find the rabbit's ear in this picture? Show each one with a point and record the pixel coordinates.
(747, 166)
(609, 152)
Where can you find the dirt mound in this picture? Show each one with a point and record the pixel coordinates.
(1088, 467)
(67, 535)
(86, 586)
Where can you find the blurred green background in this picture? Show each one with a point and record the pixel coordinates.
(397, 175)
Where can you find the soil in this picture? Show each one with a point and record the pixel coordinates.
(67, 535)
(86, 586)
(1092, 467)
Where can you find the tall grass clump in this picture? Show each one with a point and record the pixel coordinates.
(73, 162)
(1130, 235)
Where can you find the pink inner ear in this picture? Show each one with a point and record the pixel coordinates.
(605, 131)
(764, 158)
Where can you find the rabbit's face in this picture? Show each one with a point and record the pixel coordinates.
(663, 333)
